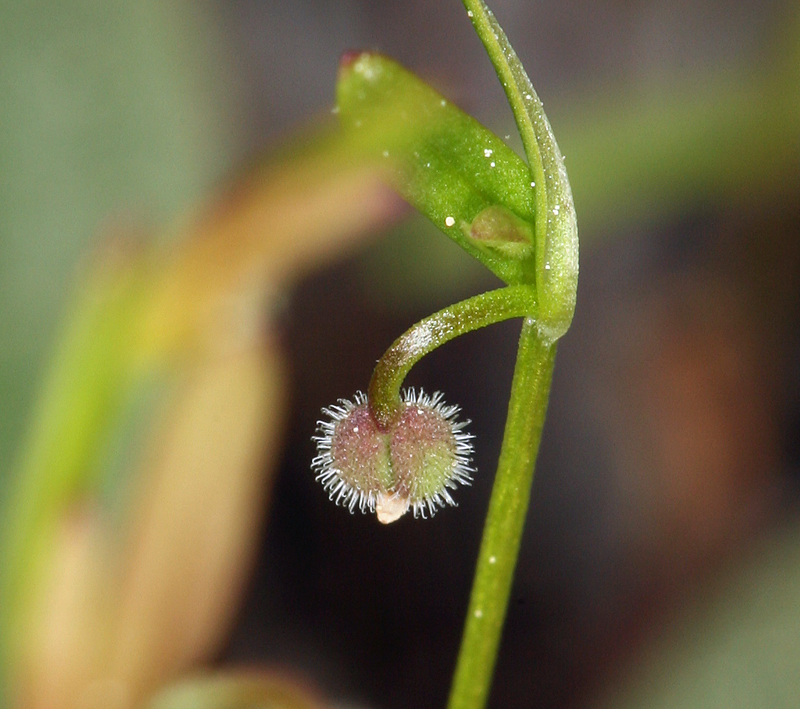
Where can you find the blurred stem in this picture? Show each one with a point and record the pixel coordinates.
(432, 332)
(505, 520)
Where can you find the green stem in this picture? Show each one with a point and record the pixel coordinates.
(433, 331)
(556, 228)
(515, 87)
(505, 520)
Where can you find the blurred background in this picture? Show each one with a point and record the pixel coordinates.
(165, 171)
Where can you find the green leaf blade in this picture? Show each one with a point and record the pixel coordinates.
(442, 161)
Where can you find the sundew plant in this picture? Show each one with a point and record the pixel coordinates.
(128, 522)
(142, 438)
(392, 451)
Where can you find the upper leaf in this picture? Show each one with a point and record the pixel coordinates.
(442, 161)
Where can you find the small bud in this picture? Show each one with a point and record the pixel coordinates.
(500, 230)
(413, 463)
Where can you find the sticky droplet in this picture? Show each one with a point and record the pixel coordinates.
(449, 221)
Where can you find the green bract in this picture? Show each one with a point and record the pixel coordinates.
(439, 159)
(518, 221)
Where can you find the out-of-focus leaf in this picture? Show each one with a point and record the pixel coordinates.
(201, 499)
(164, 397)
(738, 648)
(87, 385)
(723, 136)
(109, 111)
(235, 691)
(450, 167)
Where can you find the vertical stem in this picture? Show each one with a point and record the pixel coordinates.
(508, 506)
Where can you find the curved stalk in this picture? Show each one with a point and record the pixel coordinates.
(432, 332)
